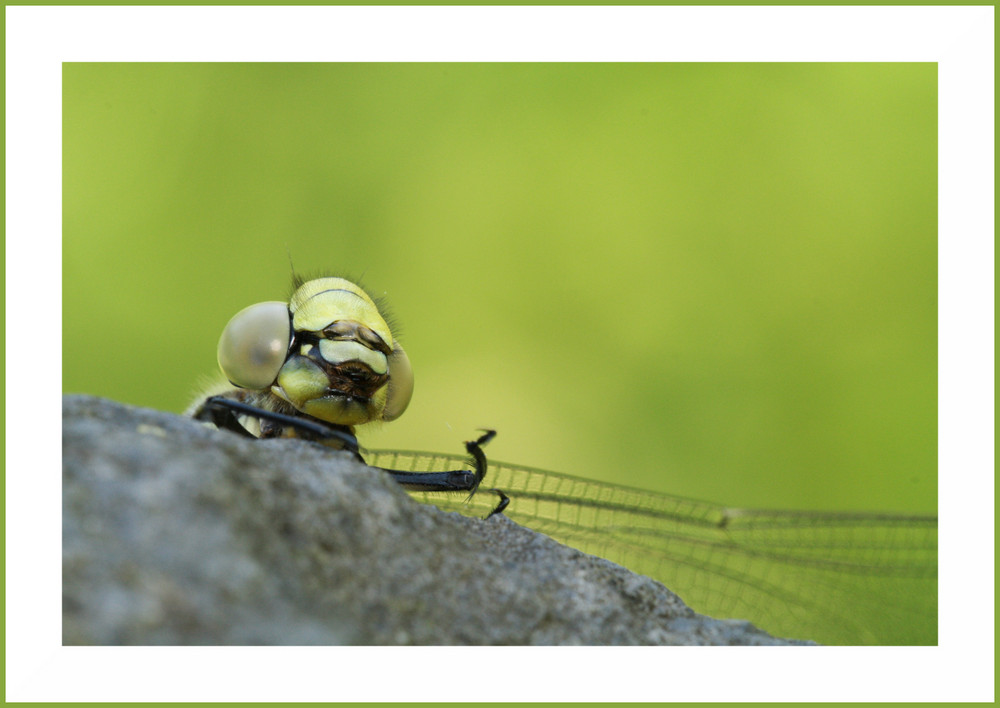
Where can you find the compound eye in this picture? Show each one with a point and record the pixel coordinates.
(254, 345)
(400, 384)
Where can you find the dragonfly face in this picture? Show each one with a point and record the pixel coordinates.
(328, 354)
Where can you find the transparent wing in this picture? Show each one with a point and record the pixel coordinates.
(834, 578)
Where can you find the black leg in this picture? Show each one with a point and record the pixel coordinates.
(457, 480)
(451, 481)
(215, 411)
(475, 449)
(223, 412)
(501, 505)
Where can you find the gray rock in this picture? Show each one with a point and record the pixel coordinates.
(177, 533)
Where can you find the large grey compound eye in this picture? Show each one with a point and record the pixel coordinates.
(254, 345)
(400, 383)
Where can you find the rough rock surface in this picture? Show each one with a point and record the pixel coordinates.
(177, 533)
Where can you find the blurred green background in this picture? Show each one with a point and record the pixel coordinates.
(713, 280)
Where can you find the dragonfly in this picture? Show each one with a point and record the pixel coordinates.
(325, 362)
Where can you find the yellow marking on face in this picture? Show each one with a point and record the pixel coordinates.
(300, 380)
(337, 351)
(321, 302)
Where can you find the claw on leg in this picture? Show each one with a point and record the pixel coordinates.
(475, 450)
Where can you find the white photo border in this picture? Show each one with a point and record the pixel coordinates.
(959, 39)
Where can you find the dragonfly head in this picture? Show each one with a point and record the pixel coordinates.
(328, 352)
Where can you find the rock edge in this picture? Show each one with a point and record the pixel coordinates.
(177, 533)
